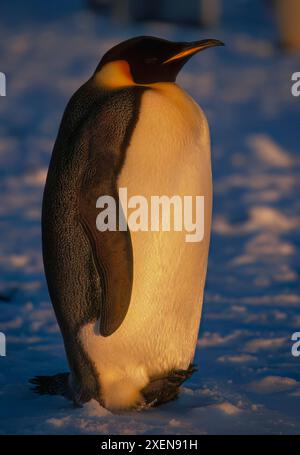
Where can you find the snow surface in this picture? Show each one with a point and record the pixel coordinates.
(248, 381)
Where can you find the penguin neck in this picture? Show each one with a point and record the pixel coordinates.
(116, 75)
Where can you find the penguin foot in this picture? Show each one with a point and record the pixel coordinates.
(57, 384)
(164, 389)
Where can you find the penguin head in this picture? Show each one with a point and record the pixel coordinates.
(147, 60)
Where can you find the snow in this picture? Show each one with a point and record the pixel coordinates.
(239, 358)
(269, 152)
(247, 381)
(271, 384)
(260, 344)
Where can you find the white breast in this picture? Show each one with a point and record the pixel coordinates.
(169, 154)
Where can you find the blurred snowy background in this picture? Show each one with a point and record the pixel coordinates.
(248, 381)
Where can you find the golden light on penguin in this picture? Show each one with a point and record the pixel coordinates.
(132, 343)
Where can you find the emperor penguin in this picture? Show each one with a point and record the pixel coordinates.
(128, 303)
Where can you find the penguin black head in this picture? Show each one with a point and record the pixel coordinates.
(146, 59)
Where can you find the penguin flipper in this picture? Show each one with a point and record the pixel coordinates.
(112, 249)
(112, 253)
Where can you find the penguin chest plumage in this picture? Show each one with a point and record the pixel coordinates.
(168, 155)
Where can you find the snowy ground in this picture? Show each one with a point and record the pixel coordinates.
(248, 381)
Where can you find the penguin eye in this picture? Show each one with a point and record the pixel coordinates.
(150, 60)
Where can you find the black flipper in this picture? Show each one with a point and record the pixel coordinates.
(112, 253)
(107, 136)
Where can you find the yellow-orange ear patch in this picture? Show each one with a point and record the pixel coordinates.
(114, 75)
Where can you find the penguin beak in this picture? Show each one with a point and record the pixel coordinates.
(189, 49)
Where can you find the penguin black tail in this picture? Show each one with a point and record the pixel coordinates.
(57, 384)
